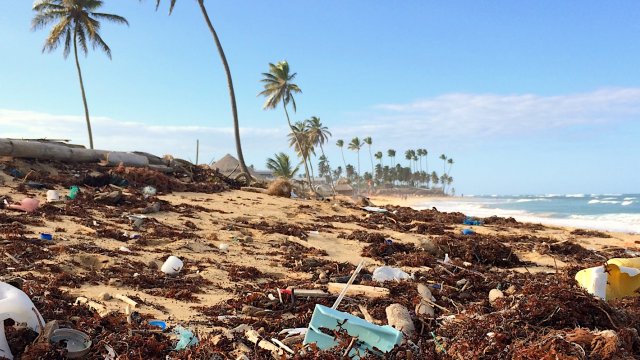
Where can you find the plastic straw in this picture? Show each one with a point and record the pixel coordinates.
(351, 279)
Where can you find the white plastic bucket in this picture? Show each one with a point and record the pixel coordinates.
(53, 195)
(172, 265)
(16, 305)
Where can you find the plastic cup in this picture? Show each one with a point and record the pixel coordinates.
(172, 265)
(53, 195)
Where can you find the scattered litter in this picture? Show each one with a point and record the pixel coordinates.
(27, 205)
(16, 305)
(375, 209)
(158, 323)
(45, 236)
(616, 279)
(73, 192)
(53, 196)
(468, 232)
(223, 247)
(76, 342)
(186, 338)
(149, 191)
(388, 273)
(172, 265)
(471, 221)
(372, 338)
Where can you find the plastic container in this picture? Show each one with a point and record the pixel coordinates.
(468, 232)
(78, 343)
(52, 196)
(45, 236)
(158, 323)
(73, 192)
(16, 305)
(172, 265)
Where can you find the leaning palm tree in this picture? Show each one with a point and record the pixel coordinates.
(340, 144)
(281, 166)
(300, 140)
(77, 22)
(232, 94)
(368, 141)
(356, 145)
(279, 89)
(450, 162)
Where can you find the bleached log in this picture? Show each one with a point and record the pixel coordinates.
(364, 290)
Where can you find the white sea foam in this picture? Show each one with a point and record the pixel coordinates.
(575, 195)
(627, 202)
(629, 198)
(604, 201)
(530, 200)
(625, 222)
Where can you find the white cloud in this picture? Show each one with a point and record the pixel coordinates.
(111, 134)
(465, 116)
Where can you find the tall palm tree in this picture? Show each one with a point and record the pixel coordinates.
(232, 94)
(392, 155)
(450, 162)
(77, 22)
(368, 141)
(340, 144)
(443, 157)
(319, 134)
(378, 157)
(356, 145)
(425, 153)
(409, 156)
(279, 89)
(300, 140)
(281, 166)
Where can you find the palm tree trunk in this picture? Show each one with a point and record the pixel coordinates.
(371, 158)
(84, 97)
(343, 160)
(295, 134)
(232, 94)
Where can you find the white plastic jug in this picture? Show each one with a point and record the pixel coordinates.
(172, 265)
(16, 305)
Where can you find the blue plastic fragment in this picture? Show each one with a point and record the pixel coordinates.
(158, 323)
(186, 338)
(468, 232)
(371, 338)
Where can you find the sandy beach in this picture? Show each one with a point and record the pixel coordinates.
(270, 242)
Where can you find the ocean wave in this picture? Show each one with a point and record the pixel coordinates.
(627, 202)
(530, 200)
(574, 195)
(629, 198)
(595, 201)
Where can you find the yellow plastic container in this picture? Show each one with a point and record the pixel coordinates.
(616, 279)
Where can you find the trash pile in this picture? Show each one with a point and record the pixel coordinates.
(148, 275)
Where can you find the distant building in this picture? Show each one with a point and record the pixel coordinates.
(230, 166)
(344, 189)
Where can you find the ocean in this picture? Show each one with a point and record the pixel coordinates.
(612, 212)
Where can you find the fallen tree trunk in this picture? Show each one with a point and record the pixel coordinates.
(40, 150)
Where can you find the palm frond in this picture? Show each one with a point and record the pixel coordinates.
(111, 17)
(98, 43)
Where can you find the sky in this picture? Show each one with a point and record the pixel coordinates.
(527, 97)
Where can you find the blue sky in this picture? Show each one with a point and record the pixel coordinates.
(527, 97)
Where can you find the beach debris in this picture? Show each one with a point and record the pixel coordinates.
(468, 232)
(16, 305)
(126, 300)
(105, 296)
(617, 278)
(76, 342)
(73, 192)
(388, 273)
(172, 265)
(157, 323)
(399, 318)
(354, 290)
(152, 209)
(110, 198)
(46, 236)
(344, 327)
(223, 247)
(53, 196)
(344, 290)
(494, 295)
(149, 191)
(471, 221)
(99, 308)
(186, 338)
(26, 204)
(374, 209)
(280, 187)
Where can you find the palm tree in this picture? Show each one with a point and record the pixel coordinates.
(278, 88)
(75, 21)
(356, 145)
(426, 160)
(434, 178)
(318, 135)
(368, 141)
(392, 154)
(409, 156)
(281, 166)
(340, 144)
(378, 157)
(450, 162)
(232, 94)
(300, 140)
(443, 157)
